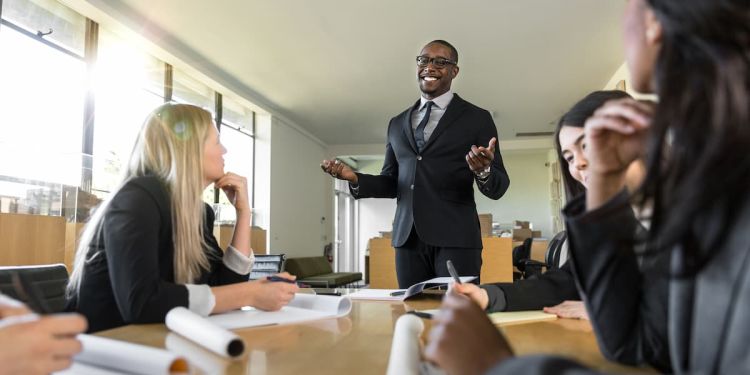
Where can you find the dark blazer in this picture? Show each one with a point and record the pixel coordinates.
(131, 278)
(434, 189)
(691, 325)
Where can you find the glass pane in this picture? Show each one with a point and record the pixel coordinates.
(239, 160)
(235, 114)
(42, 101)
(68, 27)
(128, 86)
(190, 91)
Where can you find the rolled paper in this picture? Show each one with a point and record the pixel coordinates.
(197, 355)
(205, 333)
(405, 356)
(128, 357)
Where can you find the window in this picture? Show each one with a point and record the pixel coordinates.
(128, 85)
(43, 80)
(237, 138)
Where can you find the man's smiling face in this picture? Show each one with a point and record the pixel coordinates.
(434, 80)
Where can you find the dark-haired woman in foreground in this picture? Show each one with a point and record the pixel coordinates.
(695, 55)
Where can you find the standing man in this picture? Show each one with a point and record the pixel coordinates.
(432, 160)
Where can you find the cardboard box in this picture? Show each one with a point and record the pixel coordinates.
(521, 224)
(485, 224)
(536, 233)
(521, 234)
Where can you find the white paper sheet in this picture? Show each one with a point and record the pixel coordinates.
(377, 294)
(127, 357)
(304, 307)
(200, 330)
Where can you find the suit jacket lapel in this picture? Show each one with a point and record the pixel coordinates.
(714, 301)
(406, 126)
(454, 111)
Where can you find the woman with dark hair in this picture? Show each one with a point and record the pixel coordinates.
(556, 287)
(695, 55)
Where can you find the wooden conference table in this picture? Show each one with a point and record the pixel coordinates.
(361, 342)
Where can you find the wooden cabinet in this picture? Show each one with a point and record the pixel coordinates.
(497, 262)
(223, 234)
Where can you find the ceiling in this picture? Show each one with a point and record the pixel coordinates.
(342, 69)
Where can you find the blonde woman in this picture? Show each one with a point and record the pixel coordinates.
(150, 247)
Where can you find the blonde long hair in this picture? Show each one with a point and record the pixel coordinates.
(169, 146)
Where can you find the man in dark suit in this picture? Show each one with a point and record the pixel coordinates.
(431, 163)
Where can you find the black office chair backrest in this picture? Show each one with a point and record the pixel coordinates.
(49, 282)
(522, 253)
(552, 256)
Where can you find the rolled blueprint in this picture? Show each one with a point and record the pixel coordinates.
(127, 357)
(405, 350)
(207, 334)
(200, 357)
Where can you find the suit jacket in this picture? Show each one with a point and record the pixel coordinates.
(131, 278)
(434, 188)
(696, 324)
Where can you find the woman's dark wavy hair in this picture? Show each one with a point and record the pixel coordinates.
(698, 168)
(576, 117)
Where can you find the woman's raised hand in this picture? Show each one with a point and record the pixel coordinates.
(616, 134)
(235, 187)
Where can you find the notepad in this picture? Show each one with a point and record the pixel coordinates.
(404, 294)
(304, 307)
(518, 317)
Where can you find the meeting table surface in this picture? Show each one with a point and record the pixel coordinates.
(360, 343)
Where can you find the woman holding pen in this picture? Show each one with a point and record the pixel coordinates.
(150, 247)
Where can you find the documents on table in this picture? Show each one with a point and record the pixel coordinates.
(304, 307)
(404, 294)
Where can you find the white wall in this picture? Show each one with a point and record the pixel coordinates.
(528, 197)
(301, 195)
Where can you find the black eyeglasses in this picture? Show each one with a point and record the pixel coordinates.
(439, 62)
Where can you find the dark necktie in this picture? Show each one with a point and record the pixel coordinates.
(419, 132)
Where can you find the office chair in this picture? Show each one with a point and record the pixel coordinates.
(552, 256)
(48, 280)
(531, 268)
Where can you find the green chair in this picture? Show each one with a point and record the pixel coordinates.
(317, 272)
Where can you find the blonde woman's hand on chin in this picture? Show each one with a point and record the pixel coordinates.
(615, 136)
(235, 188)
(273, 295)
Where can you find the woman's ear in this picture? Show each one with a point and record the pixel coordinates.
(653, 28)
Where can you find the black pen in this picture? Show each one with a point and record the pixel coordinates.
(421, 314)
(281, 279)
(452, 271)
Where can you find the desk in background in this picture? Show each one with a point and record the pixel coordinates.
(497, 262)
(361, 342)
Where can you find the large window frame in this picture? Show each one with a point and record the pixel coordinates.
(89, 125)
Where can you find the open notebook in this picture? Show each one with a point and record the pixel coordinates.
(304, 307)
(404, 294)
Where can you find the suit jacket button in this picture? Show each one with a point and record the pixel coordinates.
(419, 157)
(411, 187)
